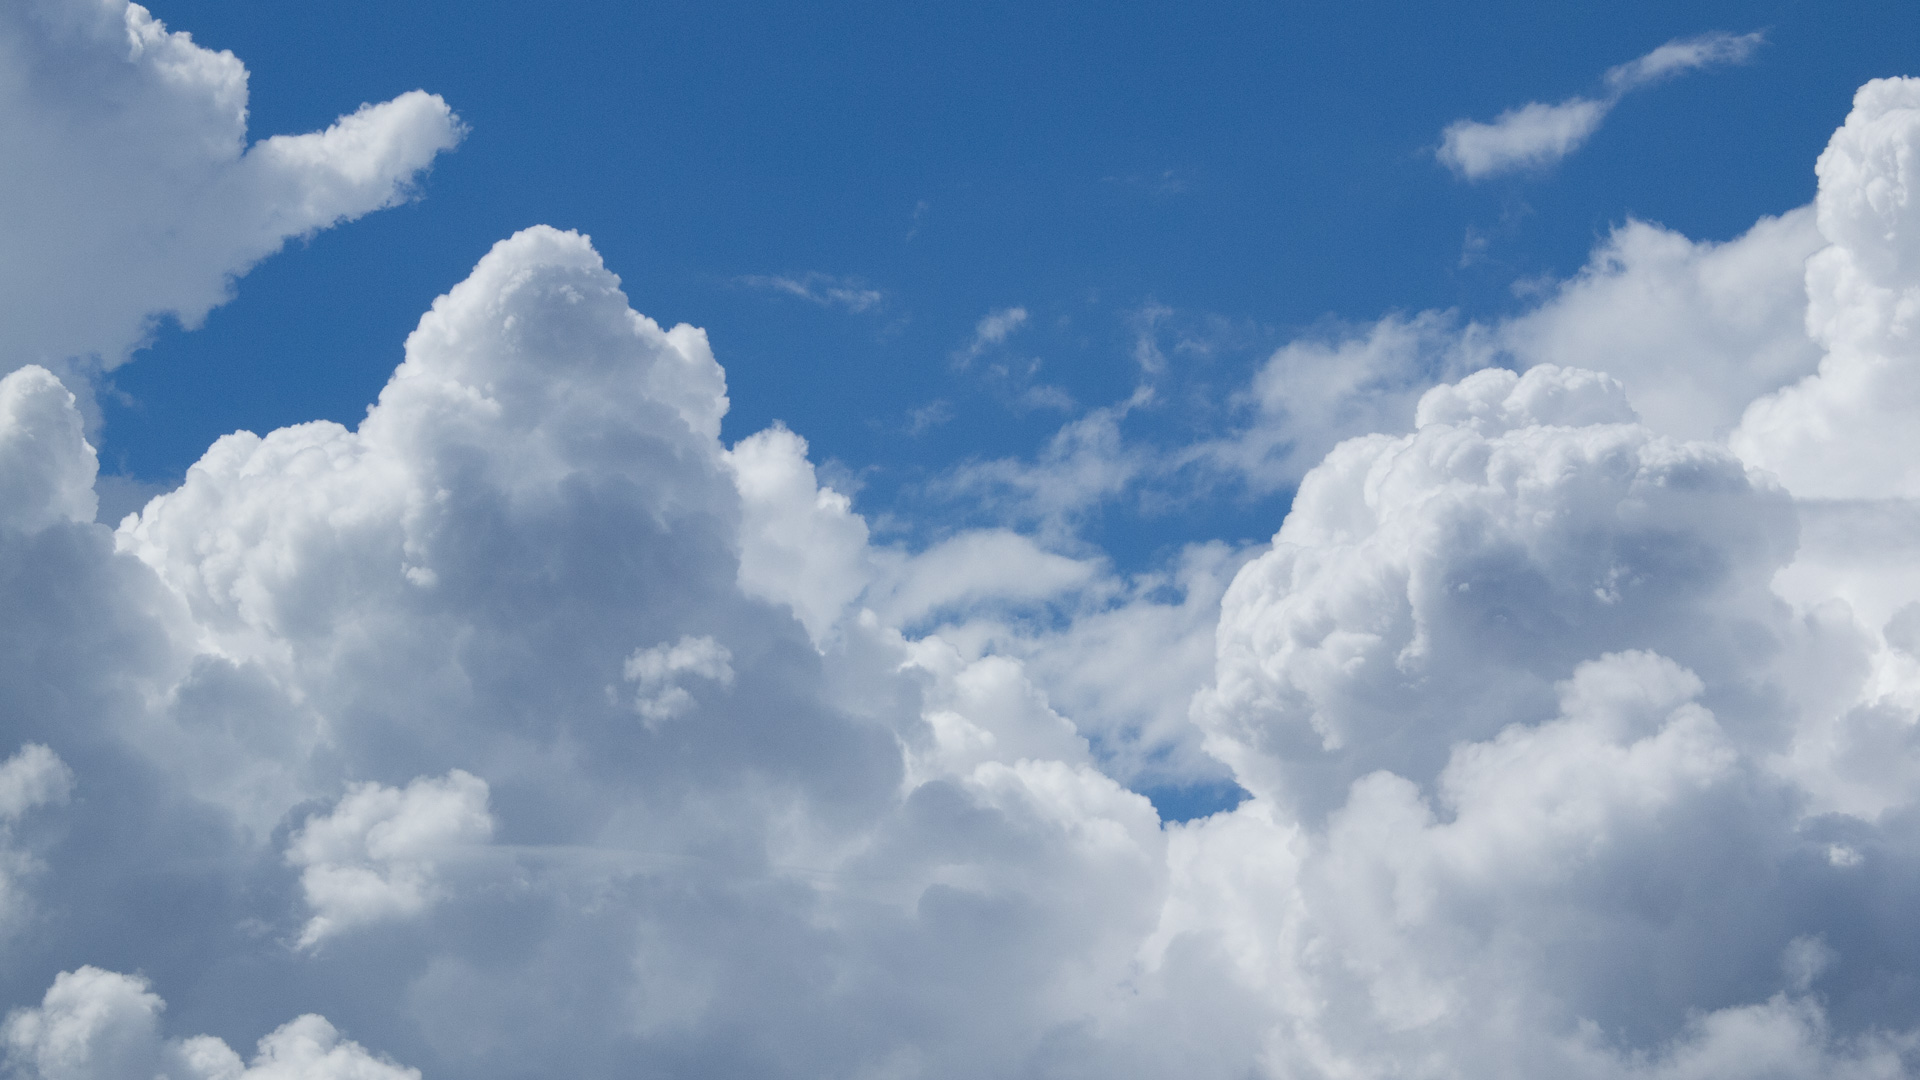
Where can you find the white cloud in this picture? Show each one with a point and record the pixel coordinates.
(102, 1025)
(659, 673)
(801, 543)
(379, 855)
(46, 466)
(1695, 330)
(1311, 394)
(1547, 777)
(1536, 135)
(131, 192)
(823, 289)
(1684, 55)
(1084, 463)
(1845, 430)
(1404, 595)
(33, 777)
(1123, 658)
(1525, 137)
(993, 329)
(974, 568)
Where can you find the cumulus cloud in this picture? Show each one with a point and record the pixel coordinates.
(1400, 597)
(102, 1025)
(131, 192)
(1536, 135)
(1843, 431)
(32, 778)
(379, 855)
(1574, 745)
(1312, 394)
(1696, 330)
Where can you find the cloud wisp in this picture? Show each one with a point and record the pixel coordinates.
(818, 288)
(993, 329)
(1536, 135)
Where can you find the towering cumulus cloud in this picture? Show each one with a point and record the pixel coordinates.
(526, 729)
(130, 191)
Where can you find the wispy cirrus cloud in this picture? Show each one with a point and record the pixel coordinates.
(826, 290)
(1536, 134)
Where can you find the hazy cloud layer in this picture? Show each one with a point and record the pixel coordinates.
(526, 727)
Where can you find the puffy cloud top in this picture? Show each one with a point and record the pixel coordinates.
(1845, 431)
(1433, 587)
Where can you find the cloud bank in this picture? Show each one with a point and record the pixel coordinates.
(527, 727)
(1535, 135)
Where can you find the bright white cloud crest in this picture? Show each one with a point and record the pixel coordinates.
(525, 723)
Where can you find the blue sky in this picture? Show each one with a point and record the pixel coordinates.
(1264, 171)
(920, 542)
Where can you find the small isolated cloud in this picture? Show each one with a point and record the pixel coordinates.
(823, 289)
(1684, 55)
(1529, 137)
(1571, 748)
(991, 331)
(1536, 135)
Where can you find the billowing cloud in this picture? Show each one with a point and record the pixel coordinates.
(102, 1025)
(1535, 135)
(1844, 431)
(131, 192)
(1696, 331)
(525, 722)
(379, 855)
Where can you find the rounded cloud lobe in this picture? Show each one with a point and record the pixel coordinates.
(131, 192)
(526, 727)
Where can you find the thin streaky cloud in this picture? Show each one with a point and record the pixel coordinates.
(823, 289)
(1536, 135)
(992, 329)
(1684, 55)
